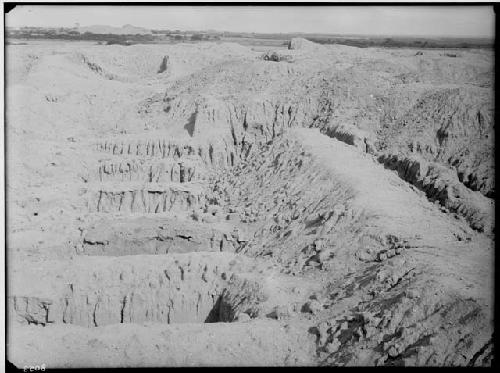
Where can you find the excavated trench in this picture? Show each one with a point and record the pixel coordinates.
(152, 176)
(169, 238)
(165, 200)
(146, 235)
(169, 290)
(141, 197)
(165, 149)
(155, 207)
(152, 172)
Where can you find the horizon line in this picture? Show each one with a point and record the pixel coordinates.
(270, 33)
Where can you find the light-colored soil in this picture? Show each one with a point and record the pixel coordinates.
(200, 205)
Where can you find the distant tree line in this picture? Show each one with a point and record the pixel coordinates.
(406, 42)
(75, 35)
(108, 39)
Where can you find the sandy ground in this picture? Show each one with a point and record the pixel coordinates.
(201, 205)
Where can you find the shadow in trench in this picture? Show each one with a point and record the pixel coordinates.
(189, 126)
(214, 315)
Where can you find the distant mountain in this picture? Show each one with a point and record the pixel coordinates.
(124, 30)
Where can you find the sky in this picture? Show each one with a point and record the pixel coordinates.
(474, 21)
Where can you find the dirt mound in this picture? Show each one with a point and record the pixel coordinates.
(136, 62)
(453, 126)
(302, 44)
